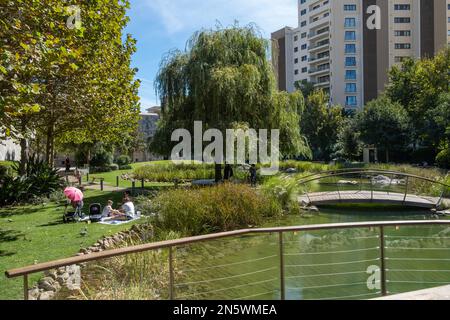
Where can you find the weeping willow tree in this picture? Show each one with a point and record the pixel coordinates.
(223, 78)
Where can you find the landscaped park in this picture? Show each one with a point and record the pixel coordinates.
(329, 224)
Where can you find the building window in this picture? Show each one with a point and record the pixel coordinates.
(304, 46)
(303, 35)
(350, 61)
(304, 58)
(350, 87)
(349, 7)
(399, 59)
(304, 70)
(350, 48)
(295, 60)
(296, 71)
(350, 35)
(402, 33)
(403, 46)
(350, 22)
(295, 38)
(402, 20)
(303, 24)
(296, 49)
(350, 101)
(350, 74)
(399, 7)
(303, 12)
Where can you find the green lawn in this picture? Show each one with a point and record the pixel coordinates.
(110, 177)
(36, 234)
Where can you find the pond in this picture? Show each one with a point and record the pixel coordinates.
(331, 264)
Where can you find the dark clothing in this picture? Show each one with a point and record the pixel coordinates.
(228, 172)
(67, 164)
(253, 176)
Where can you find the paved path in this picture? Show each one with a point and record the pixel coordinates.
(440, 293)
(382, 197)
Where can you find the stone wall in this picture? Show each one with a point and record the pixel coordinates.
(69, 277)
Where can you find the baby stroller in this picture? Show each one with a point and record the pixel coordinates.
(95, 212)
(75, 215)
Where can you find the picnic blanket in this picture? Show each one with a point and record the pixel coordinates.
(118, 222)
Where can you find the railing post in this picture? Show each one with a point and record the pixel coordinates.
(406, 190)
(171, 277)
(282, 283)
(338, 190)
(371, 189)
(25, 287)
(101, 184)
(142, 184)
(117, 181)
(87, 177)
(133, 186)
(383, 263)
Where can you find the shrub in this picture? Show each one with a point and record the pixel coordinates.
(3, 171)
(100, 169)
(39, 181)
(219, 208)
(123, 160)
(443, 159)
(114, 167)
(169, 172)
(101, 157)
(126, 167)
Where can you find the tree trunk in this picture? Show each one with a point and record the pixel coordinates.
(23, 151)
(387, 155)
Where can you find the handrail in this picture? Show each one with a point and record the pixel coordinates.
(178, 242)
(337, 172)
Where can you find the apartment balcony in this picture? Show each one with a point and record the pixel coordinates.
(323, 22)
(320, 9)
(313, 36)
(322, 84)
(318, 47)
(315, 60)
(318, 71)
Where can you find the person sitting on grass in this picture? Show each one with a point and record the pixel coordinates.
(127, 212)
(108, 210)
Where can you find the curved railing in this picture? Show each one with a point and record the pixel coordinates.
(328, 261)
(414, 188)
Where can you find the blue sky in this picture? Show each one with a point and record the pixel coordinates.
(162, 25)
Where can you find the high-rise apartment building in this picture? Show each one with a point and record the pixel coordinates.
(334, 48)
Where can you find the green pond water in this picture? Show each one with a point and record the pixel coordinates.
(332, 264)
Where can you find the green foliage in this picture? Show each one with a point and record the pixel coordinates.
(101, 157)
(443, 159)
(223, 78)
(39, 180)
(320, 124)
(418, 86)
(385, 124)
(72, 85)
(221, 208)
(348, 146)
(170, 172)
(123, 160)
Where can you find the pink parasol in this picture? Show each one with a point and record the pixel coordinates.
(73, 194)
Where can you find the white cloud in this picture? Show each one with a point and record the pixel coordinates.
(182, 15)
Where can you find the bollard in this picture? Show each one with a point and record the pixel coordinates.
(101, 184)
(117, 181)
(87, 177)
(142, 183)
(133, 186)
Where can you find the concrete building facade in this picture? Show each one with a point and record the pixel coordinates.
(334, 48)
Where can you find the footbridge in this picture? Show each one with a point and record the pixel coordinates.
(373, 186)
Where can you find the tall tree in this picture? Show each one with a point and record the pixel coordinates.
(67, 84)
(320, 124)
(385, 124)
(224, 78)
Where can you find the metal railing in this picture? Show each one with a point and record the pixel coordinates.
(369, 174)
(284, 251)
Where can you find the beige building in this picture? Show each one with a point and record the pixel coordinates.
(334, 48)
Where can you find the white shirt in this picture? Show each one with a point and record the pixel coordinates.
(128, 208)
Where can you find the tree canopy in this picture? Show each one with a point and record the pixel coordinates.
(222, 79)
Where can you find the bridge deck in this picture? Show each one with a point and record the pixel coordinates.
(382, 197)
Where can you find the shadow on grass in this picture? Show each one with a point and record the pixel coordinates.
(10, 235)
(16, 211)
(6, 253)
